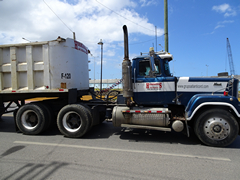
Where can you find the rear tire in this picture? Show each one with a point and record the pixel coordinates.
(216, 127)
(50, 116)
(72, 120)
(89, 114)
(31, 119)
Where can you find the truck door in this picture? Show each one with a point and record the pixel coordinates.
(148, 88)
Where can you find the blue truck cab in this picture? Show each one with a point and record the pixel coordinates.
(155, 86)
(155, 99)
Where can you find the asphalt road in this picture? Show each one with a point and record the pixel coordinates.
(113, 153)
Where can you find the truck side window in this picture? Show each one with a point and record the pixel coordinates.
(166, 68)
(144, 67)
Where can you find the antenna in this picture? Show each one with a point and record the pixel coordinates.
(161, 46)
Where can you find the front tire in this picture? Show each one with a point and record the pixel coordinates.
(216, 127)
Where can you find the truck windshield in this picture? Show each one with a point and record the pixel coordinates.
(144, 67)
(166, 68)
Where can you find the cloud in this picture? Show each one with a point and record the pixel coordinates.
(222, 24)
(221, 8)
(219, 26)
(147, 2)
(91, 20)
(225, 9)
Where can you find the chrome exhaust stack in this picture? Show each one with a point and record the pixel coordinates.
(126, 70)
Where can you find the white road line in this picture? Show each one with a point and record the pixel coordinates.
(123, 150)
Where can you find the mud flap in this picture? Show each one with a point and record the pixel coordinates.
(98, 113)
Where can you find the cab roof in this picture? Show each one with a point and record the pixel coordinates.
(161, 54)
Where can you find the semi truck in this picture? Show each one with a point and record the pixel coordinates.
(152, 97)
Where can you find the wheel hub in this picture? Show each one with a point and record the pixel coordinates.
(216, 128)
(29, 119)
(71, 121)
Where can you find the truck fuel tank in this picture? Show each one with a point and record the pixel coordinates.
(141, 116)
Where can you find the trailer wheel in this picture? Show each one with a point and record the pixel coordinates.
(216, 127)
(31, 119)
(73, 120)
(49, 112)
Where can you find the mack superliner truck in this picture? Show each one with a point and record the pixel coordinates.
(152, 97)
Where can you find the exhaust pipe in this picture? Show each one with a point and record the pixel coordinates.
(125, 33)
(127, 70)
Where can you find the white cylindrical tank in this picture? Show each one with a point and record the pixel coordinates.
(50, 66)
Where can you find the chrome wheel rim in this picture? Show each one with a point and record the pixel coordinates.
(29, 119)
(216, 128)
(72, 121)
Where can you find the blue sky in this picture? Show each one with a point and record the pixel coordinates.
(197, 30)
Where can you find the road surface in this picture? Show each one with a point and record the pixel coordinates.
(107, 152)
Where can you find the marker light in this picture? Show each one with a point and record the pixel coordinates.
(225, 93)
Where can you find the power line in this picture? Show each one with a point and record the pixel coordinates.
(123, 16)
(57, 16)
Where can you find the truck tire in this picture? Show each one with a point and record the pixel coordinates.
(50, 116)
(216, 127)
(89, 114)
(31, 119)
(15, 114)
(72, 120)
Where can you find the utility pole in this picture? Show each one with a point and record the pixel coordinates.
(101, 44)
(166, 24)
(156, 36)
